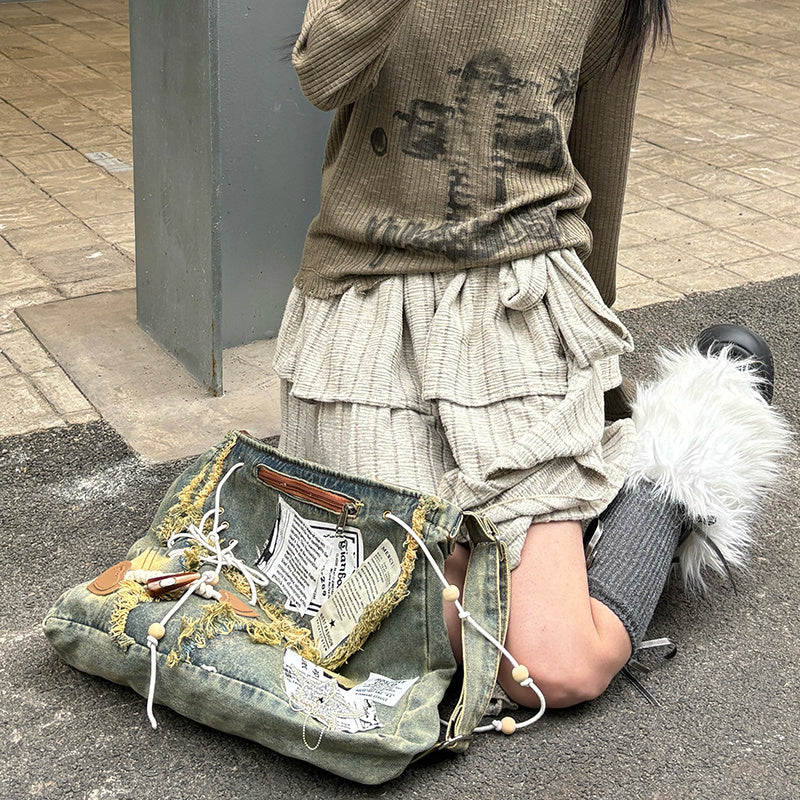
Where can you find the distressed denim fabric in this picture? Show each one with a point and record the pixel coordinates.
(210, 669)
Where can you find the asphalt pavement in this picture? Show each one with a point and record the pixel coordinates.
(73, 499)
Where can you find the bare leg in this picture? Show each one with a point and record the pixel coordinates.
(455, 570)
(572, 644)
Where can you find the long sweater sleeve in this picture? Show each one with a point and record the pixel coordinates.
(600, 143)
(449, 149)
(342, 47)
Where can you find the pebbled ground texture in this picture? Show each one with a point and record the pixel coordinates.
(73, 499)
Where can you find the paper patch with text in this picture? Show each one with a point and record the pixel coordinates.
(311, 691)
(383, 690)
(308, 559)
(340, 613)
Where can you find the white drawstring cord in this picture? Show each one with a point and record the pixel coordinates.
(221, 556)
(204, 585)
(506, 725)
(157, 630)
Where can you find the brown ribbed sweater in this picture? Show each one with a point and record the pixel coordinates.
(467, 133)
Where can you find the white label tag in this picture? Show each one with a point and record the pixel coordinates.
(383, 690)
(309, 560)
(341, 612)
(311, 691)
(346, 555)
(298, 556)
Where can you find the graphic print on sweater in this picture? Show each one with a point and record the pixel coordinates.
(482, 139)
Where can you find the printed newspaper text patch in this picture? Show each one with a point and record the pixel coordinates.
(309, 560)
(383, 690)
(312, 692)
(341, 612)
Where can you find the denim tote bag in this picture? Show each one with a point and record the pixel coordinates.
(297, 607)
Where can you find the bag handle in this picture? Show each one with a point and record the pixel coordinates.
(486, 594)
(486, 589)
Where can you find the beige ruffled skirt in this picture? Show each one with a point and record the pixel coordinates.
(484, 387)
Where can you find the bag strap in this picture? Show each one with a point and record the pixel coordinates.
(486, 597)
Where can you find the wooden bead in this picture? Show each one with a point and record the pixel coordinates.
(450, 594)
(508, 726)
(210, 578)
(156, 630)
(520, 673)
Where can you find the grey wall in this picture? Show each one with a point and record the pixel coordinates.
(227, 156)
(271, 150)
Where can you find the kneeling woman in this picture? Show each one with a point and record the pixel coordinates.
(449, 328)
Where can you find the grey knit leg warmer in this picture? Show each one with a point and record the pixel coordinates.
(632, 558)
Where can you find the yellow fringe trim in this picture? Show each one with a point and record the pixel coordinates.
(129, 595)
(215, 620)
(280, 629)
(379, 609)
(188, 509)
(191, 557)
(239, 582)
(286, 633)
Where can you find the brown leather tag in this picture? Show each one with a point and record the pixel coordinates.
(109, 581)
(239, 606)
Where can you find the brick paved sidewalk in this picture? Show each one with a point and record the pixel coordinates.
(66, 224)
(712, 200)
(713, 188)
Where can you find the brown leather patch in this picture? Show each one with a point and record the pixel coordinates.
(239, 606)
(109, 581)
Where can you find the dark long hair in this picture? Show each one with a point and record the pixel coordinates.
(643, 21)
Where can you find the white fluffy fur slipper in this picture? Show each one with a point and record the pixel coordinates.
(709, 441)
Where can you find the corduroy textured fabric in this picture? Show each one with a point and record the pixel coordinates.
(467, 134)
(484, 388)
(634, 555)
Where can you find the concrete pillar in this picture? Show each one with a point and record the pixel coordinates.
(227, 156)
